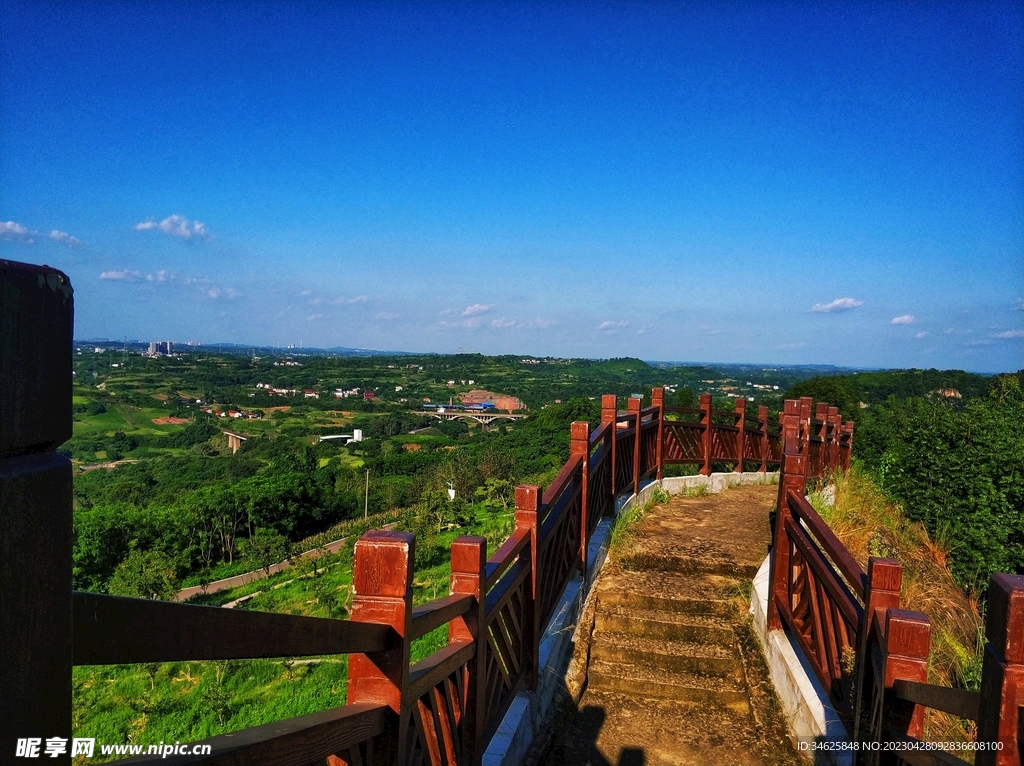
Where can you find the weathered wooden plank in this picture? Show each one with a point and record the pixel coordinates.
(506, 555)
(959, 702)
(430, 671)
(427, 617)
(111, 630)
(292, 742)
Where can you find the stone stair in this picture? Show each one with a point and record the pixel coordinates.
(667, 679)
(674, 640)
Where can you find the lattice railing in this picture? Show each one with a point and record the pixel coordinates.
(870, 655)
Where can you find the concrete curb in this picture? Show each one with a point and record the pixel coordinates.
(809, 714)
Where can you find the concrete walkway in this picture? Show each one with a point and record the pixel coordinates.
(675, 675)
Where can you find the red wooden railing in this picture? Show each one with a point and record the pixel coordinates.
(870, 655)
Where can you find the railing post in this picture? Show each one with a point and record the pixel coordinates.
(817, 470)
(658, 400)
(634, 409)
(833, 438)
(528, 517)
(741, 421)
(705, 419)
(609, 411)
(1001, 715)
(382, 583)
(882, 592)
(469, 560)
(804, 404)
(904, 658)
(762, 424)
(792, 478)
(579, 444)
(36, 323)
(848, 450)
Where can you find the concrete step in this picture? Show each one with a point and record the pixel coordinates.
(697, 561)
(668, 591)
(694, 658)
(666, 626)
(657, 683)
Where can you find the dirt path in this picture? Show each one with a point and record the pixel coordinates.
(674, 674)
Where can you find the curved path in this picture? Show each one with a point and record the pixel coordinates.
(675, 675)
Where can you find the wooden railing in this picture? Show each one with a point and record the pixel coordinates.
(870, 655)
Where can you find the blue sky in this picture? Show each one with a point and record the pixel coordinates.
(775, 182)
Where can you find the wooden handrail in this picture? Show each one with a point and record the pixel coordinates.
(428, 672)
(506, 555)
(112, 630)
(829, 543)
(562, 480)
(836, 587)
(293, 742)
(433, 615)
(959, 702)
(504, 590)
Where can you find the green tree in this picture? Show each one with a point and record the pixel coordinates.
(266, 547)
(145, 574)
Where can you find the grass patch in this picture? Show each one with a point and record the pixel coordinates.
(627, 523)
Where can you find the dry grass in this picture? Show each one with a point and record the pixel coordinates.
(870, 525)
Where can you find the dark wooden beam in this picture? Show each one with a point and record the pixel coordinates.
(111, 630)
(293, 742)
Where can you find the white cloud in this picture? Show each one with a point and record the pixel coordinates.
(313, 317)
(922, 334)
(948, 331)
(446, 312)
(222, 292)
(790, 346)
(386, 315)
(528, 324)
(177, 226)
(905, 319)
(342, 300)
(1009, 334)
(839, 304)
(16, 233)
(476, 309)
(64, 238)
(610, 325)
(124, 275)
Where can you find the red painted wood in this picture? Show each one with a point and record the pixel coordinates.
(741, 434)
(579, 446)
(382, 582)
(905, 656)
(634, 410)
(705, 421)
(609, 412)
(1002, 680)
(469, 561)
(791, 478)
(527, 518)
(658, 401)
(762, 427)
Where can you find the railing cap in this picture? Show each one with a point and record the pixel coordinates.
(383, 564)
(1004, 617)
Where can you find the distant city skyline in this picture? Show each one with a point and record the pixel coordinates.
(766, 183)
